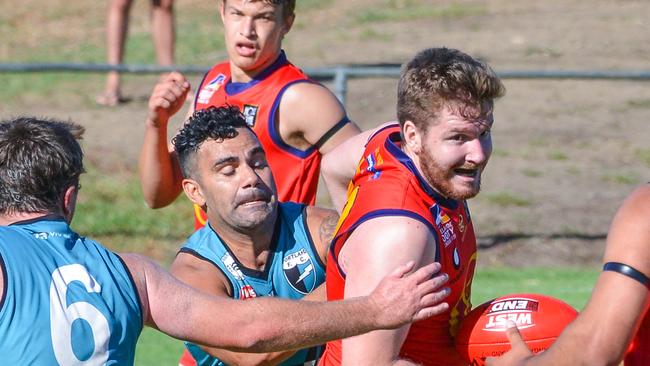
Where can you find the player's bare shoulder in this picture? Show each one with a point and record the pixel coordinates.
(309, 102)
(321, 223)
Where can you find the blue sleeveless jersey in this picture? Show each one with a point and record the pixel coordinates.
(293, 270)
(68, 300)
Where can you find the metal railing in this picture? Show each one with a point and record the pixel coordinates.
(339, 75)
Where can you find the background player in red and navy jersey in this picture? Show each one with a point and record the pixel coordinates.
(616, 317)
(295, 119)
(407, 202)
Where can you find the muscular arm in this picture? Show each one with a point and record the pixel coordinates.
(270, 324)
(602, 331)
(372, 249)
(307, 112)
(339, 166)
(160, 173)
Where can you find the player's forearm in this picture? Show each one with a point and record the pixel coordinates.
(159, 172)
(270, 324)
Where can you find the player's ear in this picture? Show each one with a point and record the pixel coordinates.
(412, 136)
(222, 9)
(70, 201)
(288, 23)
(193, 191)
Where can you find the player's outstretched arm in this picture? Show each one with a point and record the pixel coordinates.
(339, 166)
(271, 324)
(602, 331)
(160, 174)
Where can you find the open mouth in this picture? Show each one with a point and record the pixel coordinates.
(245, 49)
(469, 173)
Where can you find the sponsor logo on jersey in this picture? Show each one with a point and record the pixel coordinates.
(444, 224)
(247, 292)
(250, 113)
(374, 160)
(232, 266)
(518, 310)
(45, 236)
(299, 270)
(210, 88)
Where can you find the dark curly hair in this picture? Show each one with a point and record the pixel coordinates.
(39, 160)
(217, 123)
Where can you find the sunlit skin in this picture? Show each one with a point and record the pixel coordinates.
(253, 32)
(453, 152)
(234, 181)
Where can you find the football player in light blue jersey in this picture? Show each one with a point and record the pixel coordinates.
(252, 245)
(65, 299)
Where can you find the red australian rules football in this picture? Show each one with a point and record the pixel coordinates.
(539, 318)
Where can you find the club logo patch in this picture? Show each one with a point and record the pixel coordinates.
(299, 270)
(374, 161)
(210, 88)
(250, 113)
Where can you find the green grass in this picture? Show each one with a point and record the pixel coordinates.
(643, 155)
(572, 285)
(557, 155)
(533, 173)
(111, 209)
(507, 199)
(621, 178)
(155, 348)
(639, 103)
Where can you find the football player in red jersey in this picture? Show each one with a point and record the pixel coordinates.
(296, 119)
(615, 320)
(407, 202)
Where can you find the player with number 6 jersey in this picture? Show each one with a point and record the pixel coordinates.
(79, 287)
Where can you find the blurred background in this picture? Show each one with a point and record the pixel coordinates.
(566, 151)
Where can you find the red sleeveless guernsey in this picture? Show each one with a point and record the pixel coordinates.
(639, 351)
(388, 184)
(295, 171)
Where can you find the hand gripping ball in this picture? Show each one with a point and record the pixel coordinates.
(539, 318)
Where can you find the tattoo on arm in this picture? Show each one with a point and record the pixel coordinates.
(327, 227)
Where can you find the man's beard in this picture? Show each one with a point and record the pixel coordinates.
(441, 178)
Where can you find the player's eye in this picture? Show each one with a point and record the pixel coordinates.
(227, 170)
(259, 164)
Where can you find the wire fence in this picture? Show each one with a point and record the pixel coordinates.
(339, 75)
